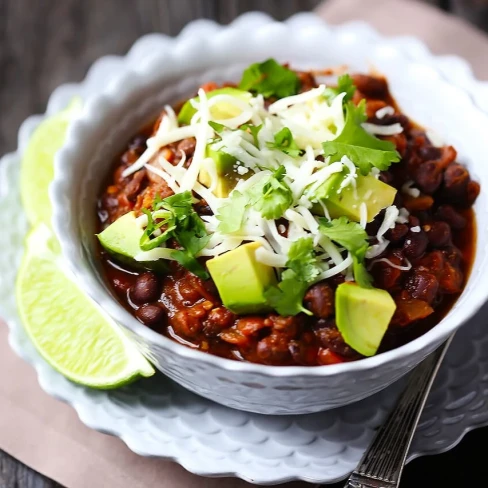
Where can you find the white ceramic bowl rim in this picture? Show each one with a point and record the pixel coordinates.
(94, 288)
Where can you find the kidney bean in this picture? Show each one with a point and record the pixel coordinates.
(415, 244)
(319, 299)
(145, 289)
(150, 315)
(438, 233)
(371, 86)
(451, 216)
(423, 286)
(397, 233)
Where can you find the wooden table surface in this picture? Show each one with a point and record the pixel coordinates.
(44, 43)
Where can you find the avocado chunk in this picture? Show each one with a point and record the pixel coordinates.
(227, 178)
(363, 316)
(219, 111)
(121, 239)
(376, 194)
(241, 279)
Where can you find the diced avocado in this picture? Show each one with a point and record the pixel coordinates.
(121, 239)
(219, 111)
(363, 316)
(241, 279)
(227, 178)
(376, 194)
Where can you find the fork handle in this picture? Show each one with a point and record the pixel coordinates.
(382, 464)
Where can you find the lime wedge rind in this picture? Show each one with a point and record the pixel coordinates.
(67, 328)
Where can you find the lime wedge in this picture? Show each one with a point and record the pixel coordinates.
(72, 333)
(37, 170)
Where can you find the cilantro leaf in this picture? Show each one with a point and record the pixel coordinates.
(352, 237)
(181, 223)
(287, 297)
(254, 130)
(273, 197)
(270, 79)
(362, 148)
(349, 235)
(361, 275)
(302, 261)
(216, 126)
(232, 213)
(283, 140)
(345, 84)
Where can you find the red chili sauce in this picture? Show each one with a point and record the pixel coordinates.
(187, 309)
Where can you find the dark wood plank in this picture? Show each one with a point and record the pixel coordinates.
(45, 43)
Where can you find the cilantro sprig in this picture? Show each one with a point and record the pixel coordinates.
(345, 84)
(287, 297)
(270, 79)
(362, 148)
(175, 214)
(354, 239)
(272, 197)
(283, 140)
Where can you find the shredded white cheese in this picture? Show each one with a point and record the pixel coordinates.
(383, 130)
(382, 112)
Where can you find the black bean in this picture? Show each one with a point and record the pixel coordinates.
(145, 289)
(453, 218)
(415, 244)
(439, 234)
(397, 233)
(428, 177)
(150, 315)
(430, 153)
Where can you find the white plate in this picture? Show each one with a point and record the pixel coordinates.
(155, 417)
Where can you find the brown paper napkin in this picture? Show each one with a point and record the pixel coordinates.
(47, 434)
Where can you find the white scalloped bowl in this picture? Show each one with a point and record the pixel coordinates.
(137, 95)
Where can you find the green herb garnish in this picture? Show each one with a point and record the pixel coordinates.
(345, 84)
(180, 221)
(283, 140)
(354, 239)
(362, 148)
(270, 79)
(287, 297)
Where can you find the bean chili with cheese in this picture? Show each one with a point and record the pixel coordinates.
(437, 238)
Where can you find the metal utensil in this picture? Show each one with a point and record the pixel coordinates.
(383, 462)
